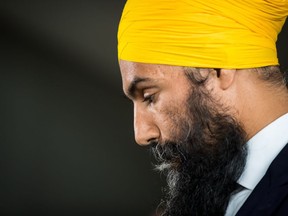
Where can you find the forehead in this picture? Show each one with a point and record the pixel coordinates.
(131, 70)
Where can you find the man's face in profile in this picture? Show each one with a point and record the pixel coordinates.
(197, 143)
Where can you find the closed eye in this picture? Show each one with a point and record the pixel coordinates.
(149, 99)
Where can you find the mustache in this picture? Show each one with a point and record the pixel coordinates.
(169, 155)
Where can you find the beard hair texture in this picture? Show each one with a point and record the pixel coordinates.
(204, 161)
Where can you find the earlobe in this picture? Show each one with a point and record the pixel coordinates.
(226, 78)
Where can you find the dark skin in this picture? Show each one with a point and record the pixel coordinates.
(166, 87)
(153, 91)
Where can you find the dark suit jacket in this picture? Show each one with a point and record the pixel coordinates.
(270, 196)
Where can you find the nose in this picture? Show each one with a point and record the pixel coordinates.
(145, 128)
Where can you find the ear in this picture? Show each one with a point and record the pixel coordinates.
(225, 78)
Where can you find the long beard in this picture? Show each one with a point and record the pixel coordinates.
(203, 165)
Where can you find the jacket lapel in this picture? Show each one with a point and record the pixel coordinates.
(270, 192)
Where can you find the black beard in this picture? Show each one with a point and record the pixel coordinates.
(203, 165)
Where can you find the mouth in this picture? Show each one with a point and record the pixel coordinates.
(168, 164)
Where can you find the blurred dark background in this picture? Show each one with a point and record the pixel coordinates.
(66, 132)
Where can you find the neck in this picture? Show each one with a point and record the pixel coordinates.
(262, 107)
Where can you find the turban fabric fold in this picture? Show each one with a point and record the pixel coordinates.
(202, 33)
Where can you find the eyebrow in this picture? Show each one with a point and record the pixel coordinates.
(133, 85)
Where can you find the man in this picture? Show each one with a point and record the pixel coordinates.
(210, 100)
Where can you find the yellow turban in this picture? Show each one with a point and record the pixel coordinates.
(202, 33)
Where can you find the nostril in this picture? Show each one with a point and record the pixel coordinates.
(152, 142)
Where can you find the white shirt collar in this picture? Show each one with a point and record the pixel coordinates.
(262, 149)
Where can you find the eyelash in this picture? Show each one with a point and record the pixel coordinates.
(149, 99)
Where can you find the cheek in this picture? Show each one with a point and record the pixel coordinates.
(169, 116)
